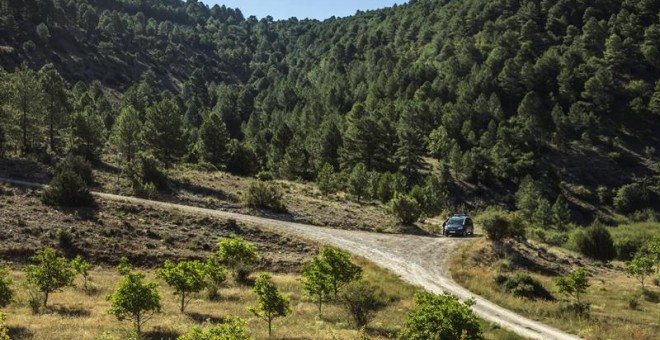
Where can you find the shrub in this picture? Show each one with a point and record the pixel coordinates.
(627, 246)
(146, 175)
(265, 176)
(596, 242)
(523, 285)
(362, 301)
(265, 195)
(440, 317)
(4, 332)
(499, 225)
(631, 197)
(405, 208)
(6, 293)
(216, 275)
(232, 328)
(238, 255)
(242, 160)
(67, 189)
(633, 303)
(79, 165)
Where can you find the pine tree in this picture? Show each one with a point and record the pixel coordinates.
(561, 213)
(358, 180)
(213, 142)
(126, 133)
(163, 131)
(56, 103)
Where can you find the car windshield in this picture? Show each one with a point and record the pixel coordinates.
(456, 220)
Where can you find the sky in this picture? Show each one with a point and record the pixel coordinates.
(301, 9)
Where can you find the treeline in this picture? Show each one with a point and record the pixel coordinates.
(494, 90)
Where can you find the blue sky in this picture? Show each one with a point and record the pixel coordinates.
(301, 9)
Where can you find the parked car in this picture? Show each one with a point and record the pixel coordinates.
(458, 225)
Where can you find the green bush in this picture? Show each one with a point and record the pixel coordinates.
(440, 317)
(628, 246)
(499, 225)
(67, 189)
(523, 285)
(79, 165)
(596, 242)
(632, 197)
(405, 208)
(232, 328)
(146, 175)
(265, 195)
(362, 301)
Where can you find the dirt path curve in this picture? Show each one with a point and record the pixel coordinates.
(420, 260)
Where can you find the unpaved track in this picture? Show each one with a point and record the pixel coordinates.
(419, 260)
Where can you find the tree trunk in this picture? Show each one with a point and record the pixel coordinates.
(269, 327)
(45, 298)
(183, 301)
(137, 325)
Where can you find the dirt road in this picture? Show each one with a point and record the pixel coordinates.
(419, 260)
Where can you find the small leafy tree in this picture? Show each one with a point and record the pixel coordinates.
(4, 332)
(640, 268)
(233, 328)
(6, 293)
(405, 208)
(238, 255)
(362, 301)
(317, 281)
(216, 275)
(82, 267)
(440, 317)
(134, 299)
(653, 249)
(184, 277)
(271, 303)
(575, 284)
(50, 274)
(341, 270)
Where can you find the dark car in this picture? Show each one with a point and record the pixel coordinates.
(458, 225)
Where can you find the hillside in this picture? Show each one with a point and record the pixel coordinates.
(564, 92)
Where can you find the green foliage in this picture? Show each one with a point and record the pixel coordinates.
(317, 281)
(324, 180)
(163, 131)
(238, 255)
(438, 317)
(185, 277)
(82, 267)
(640, 267)
(4, 332)
(126, 133)
(232, 328)
(561, 213)
(50, 274)
(358, 181)
(213, 142)
(216, 275)
(405, 208)
(271, 303)
(499, 225)
(68, 188)
(596, 242)
(134, 299)
(78, 165)
(574, 285)
(523, 285)
(6, 293)
(632, 197)
(242, 159)
(265, 195)
(362, 300)
(146, 175)
(341, 270)
(527, 197)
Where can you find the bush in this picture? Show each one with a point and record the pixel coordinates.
(6, 293)
(499, 225)
(265, 176)
(362, 301)
(146, 175)
(596, 242)
(628, 246)
(79, 165)
(67, 189)
(265, 195)
(405, 208)
(232, 328)
(523, 285)
(242, 160)
(632, 197)
(440, 317)
(238, 255)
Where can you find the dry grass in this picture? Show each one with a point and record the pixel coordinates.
(609, 295)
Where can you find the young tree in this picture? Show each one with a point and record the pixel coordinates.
(134, 299)
(185, 277)
(640, 268)
(358, 181)
(4, 332)
(213, 142)
(125, 137)
(50, 274)
(271, 303)
(440, 317)
(341, 270)
(238, 255)
(216, 275)
(26, 107)
(324, 179)
(232, 328)
(362, 301)
(163, 131)
(6, 293)
(317, 281)
(561, 213)
(542, 215)
(575, 284)
(82, 267)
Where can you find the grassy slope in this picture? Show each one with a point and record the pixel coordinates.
(611, 318)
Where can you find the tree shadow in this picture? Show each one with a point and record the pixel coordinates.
(19, 333)
(70, 312)
(201, 318)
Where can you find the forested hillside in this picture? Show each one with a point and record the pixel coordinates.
(556, 99)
